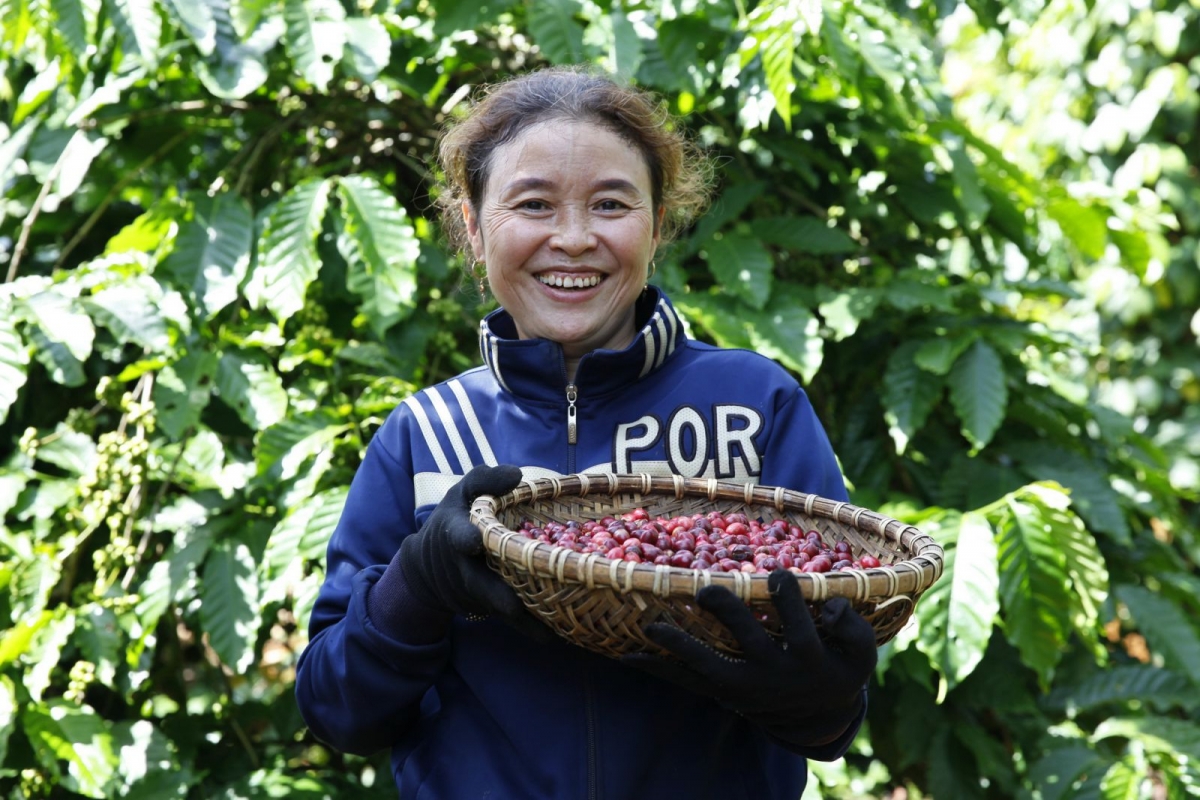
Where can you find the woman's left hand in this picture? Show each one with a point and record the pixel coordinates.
(805, 689)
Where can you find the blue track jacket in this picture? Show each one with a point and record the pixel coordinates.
(475, 710)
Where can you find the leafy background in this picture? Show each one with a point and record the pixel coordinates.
(970, 228)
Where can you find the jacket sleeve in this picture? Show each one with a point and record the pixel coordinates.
(799, 456)
(358, 689)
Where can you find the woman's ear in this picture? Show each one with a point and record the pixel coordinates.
(473, 234)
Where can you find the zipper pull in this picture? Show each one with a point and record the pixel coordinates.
(572, 430)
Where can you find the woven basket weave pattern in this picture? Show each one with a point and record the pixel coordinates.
(604, 605)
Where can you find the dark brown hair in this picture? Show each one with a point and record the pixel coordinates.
(680, 173)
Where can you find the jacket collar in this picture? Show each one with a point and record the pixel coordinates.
(536, 368)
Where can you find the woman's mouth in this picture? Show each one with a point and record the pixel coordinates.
(570, 281)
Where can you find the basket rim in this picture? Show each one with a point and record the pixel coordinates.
(904, 580)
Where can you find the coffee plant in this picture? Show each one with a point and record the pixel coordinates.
(970, 228)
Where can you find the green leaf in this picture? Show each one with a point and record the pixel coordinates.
(1158, 734)
(728, 207)
(32, 582)
(938, 355)
(368, 47)
(171, 575)
(381, 249)
(979, 393)
(1085, 226)
(305, 532)
(71, 24)
(316, 38)
(1168, 630)
(237, 68)
(1122, 684)
(212, 252)
(59, 318)
(555, 31)
(909, 394)
(625, 53)
(62, 731)
(286, 446)
(8, 713)
(101, 641)
(46, 650)
(967, 188)
(288, 260)
(1123, 781)
(72, 450)
(1092, 494)
(777, 46)
(741, 266)
(14, 358)
(182, 392)
(803, 235)
(229, 611)
(250, 385)
(140, 27)
(1057, 773)
(62, 367)
(16, 640)
(844, 311)
(958, 612)
(131, 314)
(465, 15)
(1034, 588)
(910, 292)
(787, 332)
(197, 20)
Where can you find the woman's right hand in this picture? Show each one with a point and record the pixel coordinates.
(443, 563)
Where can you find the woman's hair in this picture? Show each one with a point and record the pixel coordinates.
(680, 173)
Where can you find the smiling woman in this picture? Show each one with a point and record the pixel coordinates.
(563, 184)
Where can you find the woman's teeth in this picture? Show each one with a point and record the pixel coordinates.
(568, 282)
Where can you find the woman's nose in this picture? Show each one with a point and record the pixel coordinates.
(573, 232)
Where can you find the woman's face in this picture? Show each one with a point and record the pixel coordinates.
(567, 230)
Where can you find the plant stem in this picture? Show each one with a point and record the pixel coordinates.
(31, 217)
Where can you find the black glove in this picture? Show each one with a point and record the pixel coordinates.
(804, 690)
(443, 563)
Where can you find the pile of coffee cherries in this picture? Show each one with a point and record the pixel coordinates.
(714, 541)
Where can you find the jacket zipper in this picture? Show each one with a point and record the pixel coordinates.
(572, 426)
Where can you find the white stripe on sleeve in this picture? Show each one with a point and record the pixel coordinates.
(468, 410)
(435, 447)
(456, 441)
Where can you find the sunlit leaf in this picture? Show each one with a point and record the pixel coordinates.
(287, 261)
(1035, 588)
(212, 252)
(1158, 734)
(316, 37)
(14, 358)
(959, 611)
(251, 387)
(139, 25)
(183, 390)
(8, 713)
(131, 314)
(381, 249)
(63, 731)
(368, 47)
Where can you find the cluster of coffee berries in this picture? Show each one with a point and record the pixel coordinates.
(714, 541)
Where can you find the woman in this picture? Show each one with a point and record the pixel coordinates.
(562, 184)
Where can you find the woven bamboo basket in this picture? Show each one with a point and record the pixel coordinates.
(604, 604)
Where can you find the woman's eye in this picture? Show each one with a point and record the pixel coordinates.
(533, 205)
(610, 205)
